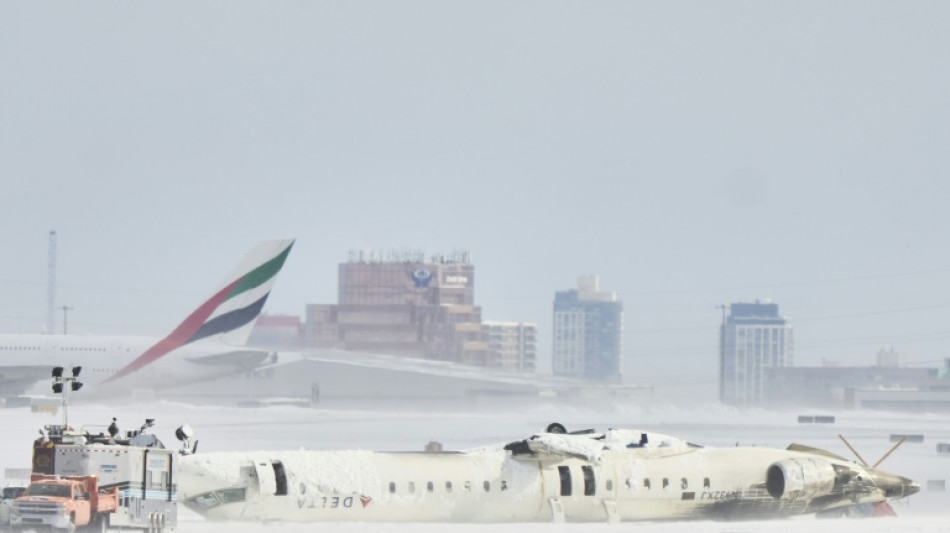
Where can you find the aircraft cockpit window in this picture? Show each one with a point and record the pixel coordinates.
(590, 484)
(565, 474)
(230, 495)
(204, 501)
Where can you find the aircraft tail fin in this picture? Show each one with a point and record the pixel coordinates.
(232, 320)
(229, 314)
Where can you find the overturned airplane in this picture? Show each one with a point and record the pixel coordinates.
(585, 476)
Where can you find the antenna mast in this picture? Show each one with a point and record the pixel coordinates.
(51, 286)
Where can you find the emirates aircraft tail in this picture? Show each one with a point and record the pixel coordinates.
(229, 314)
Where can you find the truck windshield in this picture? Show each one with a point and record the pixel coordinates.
(10, 493)
(57, 491)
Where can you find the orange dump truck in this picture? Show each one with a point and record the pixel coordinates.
(63, 503)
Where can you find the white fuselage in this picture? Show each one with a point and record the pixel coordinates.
(28, 359)
(495, 485)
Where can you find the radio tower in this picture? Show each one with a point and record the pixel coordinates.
(51, 286)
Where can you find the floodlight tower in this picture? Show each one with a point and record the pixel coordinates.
(51, 286)
(59, 387)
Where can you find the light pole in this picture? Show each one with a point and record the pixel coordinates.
(65, 309)
(59, 387)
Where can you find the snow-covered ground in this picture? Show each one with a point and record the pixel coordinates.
(290, 428)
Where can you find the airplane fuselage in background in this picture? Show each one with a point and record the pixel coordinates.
(28, 359)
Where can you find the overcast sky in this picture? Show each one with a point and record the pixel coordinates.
(689, 153)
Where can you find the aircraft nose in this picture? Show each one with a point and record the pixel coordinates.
(895, 487)
(911, 487)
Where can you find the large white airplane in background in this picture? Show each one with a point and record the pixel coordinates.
(618, 475)
(208, 344)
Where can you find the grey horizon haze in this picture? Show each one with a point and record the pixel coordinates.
(690, 154)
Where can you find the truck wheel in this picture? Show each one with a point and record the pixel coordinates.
(99, 524)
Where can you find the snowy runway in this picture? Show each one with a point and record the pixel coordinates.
(292, 428)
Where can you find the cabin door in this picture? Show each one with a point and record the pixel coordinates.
(266, 484)
(578, 489)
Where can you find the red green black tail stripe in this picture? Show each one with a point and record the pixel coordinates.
(198, 326)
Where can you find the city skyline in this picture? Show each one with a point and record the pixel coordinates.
(690, 154)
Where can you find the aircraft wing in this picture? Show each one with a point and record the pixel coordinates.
(235, 359)
(552, 446)
(570, 445)
(794, 447)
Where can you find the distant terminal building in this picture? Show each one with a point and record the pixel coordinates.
(513, 346)
(886, 385)
(276, 331)
(588, 333)
(401, 303)
(753, 338)
(830, 387)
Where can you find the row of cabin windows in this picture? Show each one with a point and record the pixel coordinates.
(590, 483)
(684, 483)
(564, 472)
(430, 486)
(63, 349)
(280, 479)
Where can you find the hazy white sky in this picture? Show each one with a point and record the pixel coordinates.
(689, 153)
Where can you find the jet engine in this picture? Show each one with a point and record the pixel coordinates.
(802, 477)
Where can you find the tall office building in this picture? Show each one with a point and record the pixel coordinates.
(512, 346)
(399, 303)
(752, 338)
(588, 332)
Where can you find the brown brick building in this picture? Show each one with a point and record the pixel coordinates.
(402, 304)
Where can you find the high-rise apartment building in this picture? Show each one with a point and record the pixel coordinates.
(512, 346)
(588, 332)
(752, 338)
(403, 304)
